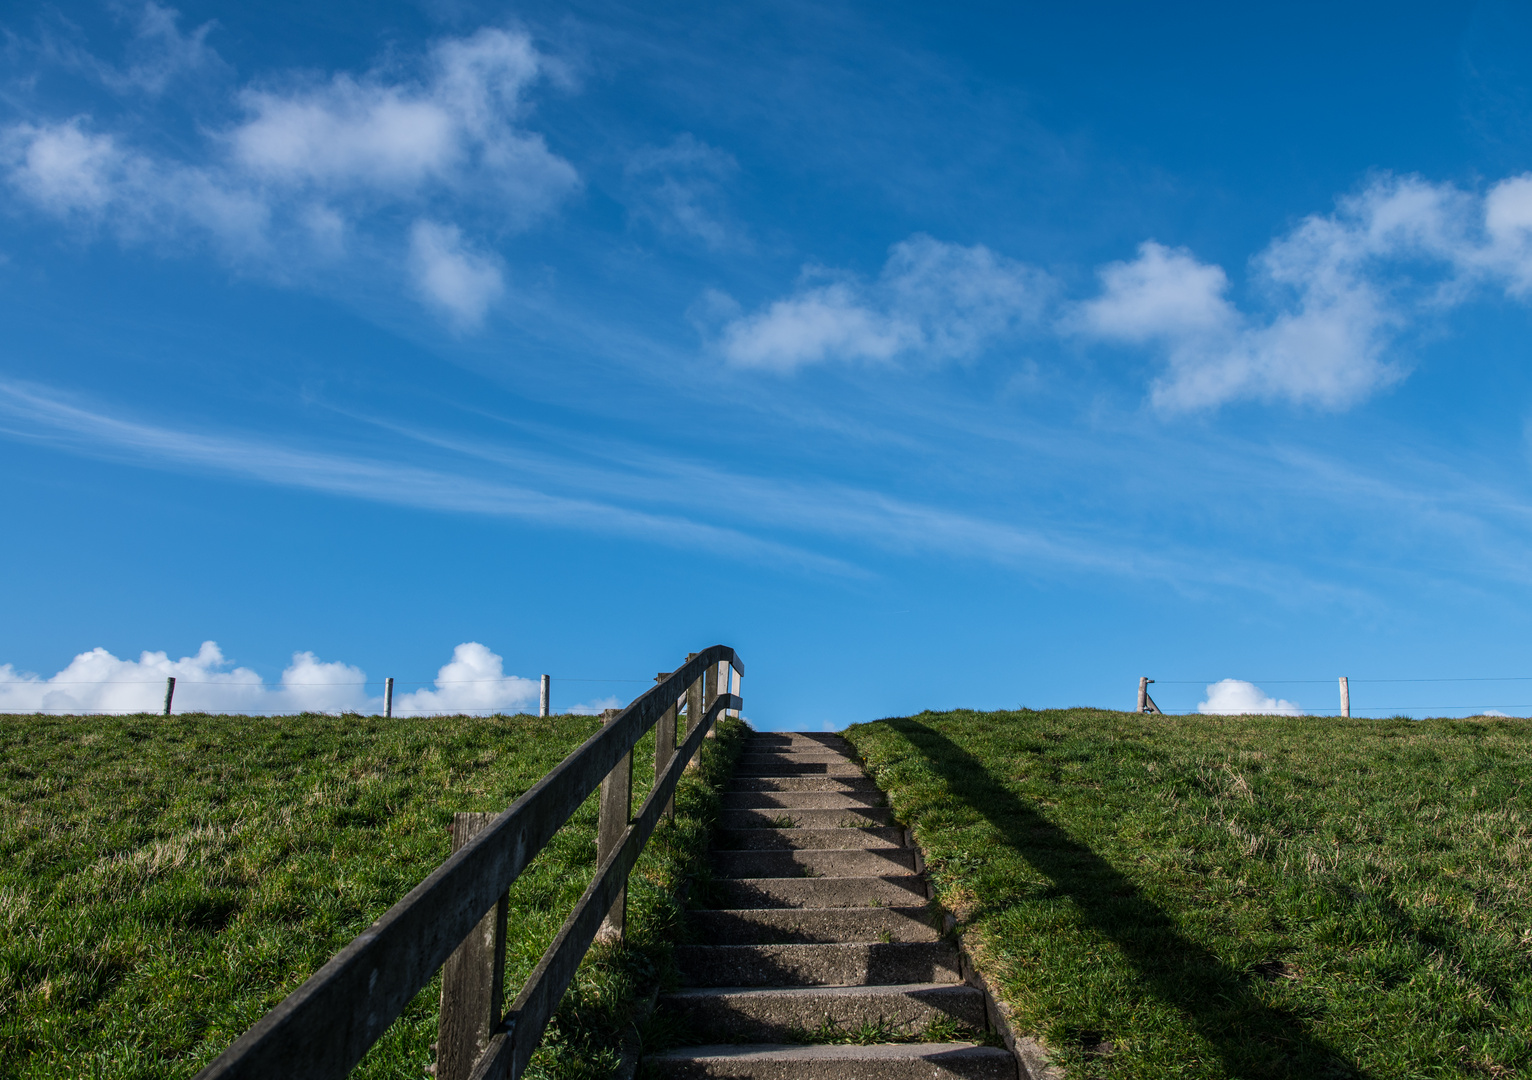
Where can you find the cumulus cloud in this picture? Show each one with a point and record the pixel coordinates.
(474, 680)
(456, 129)
(1331, 299)
(933, 300)
(679, 189)
(1234, 697)
(311, 164)
(96, 681)
(461, 282)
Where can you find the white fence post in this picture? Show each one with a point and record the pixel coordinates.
(388, 696)
(542, 701)
(1345, 696)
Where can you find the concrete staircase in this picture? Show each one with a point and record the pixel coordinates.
(820, 925)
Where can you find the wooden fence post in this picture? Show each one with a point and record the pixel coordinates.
(170, 692)
(472, 979)
(542, 698)
(616, 815)
(665, 743)
(1345, 696)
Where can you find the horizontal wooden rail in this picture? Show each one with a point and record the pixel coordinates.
(323, 1028)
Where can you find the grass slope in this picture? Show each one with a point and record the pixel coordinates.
(164, 882)
(1235, 896)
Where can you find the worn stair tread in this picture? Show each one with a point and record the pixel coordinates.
(889, 890)
(784, 926)
(800, 800)
(814, 862)
(797, 753)
(779, 818)
(776, 1013)
(868, 836)
(828, 737)
(859, 782)
(884, 1061)
(870, 963)
(797, 768)
(748, 760)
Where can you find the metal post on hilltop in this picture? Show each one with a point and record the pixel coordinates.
(542, 699)
(388, 696)
(170, 692)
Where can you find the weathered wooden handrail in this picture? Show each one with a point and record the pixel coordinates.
(323, 1028)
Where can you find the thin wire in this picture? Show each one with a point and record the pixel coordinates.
(1317, 682)
(370, 682)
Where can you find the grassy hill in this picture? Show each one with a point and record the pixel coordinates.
(1235, 896)
(163, 882)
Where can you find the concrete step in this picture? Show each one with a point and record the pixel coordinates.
(886, 1061)
(805, 800)
(875, 836)
(799, 738)
(779, 1015)
(814, 862)
(859, 782)
(867, 963)
(804, 768)
(782, 926)
(823, 892)
(779, 818)
(748, 759)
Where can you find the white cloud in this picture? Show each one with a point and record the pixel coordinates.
(595, 708)
(1339, 291)
(96, 681)
(1233, 697)
(312, 166)
(934, 300)
(29, 414)
(461, 282)
(679, 188)
(473, 681)
(456, 129)
(160, 52)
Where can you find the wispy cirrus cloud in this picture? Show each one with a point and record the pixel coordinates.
(28, 413)
(679, 189)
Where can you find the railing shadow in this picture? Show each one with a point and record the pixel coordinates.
(1253, 1038)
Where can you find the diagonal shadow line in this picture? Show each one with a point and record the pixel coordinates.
(1253, 1038)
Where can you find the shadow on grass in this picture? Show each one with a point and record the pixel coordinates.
(1253, 1038)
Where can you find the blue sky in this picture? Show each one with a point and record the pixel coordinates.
(989, 356)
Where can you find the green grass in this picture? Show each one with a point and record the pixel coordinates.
(164, 882)
(1200, 896)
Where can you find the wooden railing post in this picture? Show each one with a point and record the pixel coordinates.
(710, 692)
(665, 743)
(472, 979)
(693, 699)
(616, 815)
